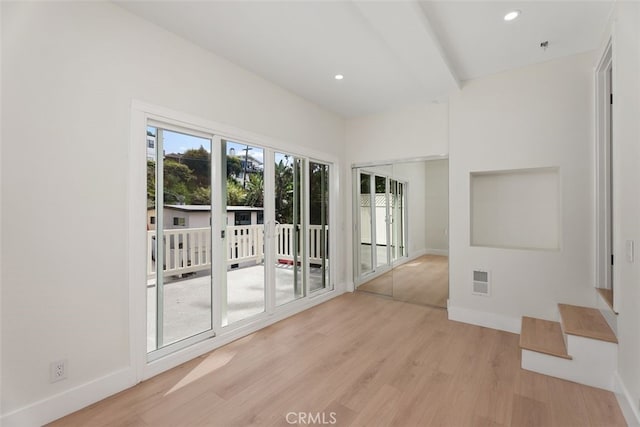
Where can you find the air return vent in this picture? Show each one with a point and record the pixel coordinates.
(481, 283)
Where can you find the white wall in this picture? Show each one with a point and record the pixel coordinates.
(414, 174)
(69, 74)
(537, 116)
(413, 132)
(626, 176)
(437, 206)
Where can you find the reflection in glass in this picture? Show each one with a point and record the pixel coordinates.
(318, 226)
(381, 216)
(366, 263)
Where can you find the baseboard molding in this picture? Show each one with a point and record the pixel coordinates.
(627, 403)
(74, 399)
(81, 396)
(431, 251)
(486, 319)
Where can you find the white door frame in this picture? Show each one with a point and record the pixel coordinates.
(604, 155)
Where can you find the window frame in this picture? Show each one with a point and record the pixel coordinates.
(144, 114)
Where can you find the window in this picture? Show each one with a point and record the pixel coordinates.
(242, 218)
(176, 314)
(207, 242)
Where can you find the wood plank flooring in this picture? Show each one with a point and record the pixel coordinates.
(543, 336)
(372, 362)
(586, 322)
(424, 280)
(607, 295)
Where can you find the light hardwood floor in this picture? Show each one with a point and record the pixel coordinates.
(424, 280)
(373, 362)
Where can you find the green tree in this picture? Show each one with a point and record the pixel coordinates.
(318, 193)
(235, 193)
(199, 161)
(255, 191)
(177, 177)
(234, 166)
(151, 183)
(201, 196)
(284, 192)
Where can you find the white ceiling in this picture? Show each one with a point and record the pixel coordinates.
(479, 42)
(391, 53)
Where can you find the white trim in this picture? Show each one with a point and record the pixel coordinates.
(225, 131)
(141, 113)
(483, 318)
(51, 408)
(403, 160)
(627, 403)
(603, 150)
(431, 251)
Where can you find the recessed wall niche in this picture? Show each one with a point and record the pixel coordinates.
(516, 209)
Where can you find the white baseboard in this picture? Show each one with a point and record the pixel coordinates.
(431, 251)
(482, 318)
(74, 399)
(627, 403)
(81, 396)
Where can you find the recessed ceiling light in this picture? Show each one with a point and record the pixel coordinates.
(338, 77)
(512, 15)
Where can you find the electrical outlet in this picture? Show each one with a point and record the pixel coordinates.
(58, 371)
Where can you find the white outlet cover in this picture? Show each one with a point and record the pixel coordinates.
(58, 371)
(630, 251)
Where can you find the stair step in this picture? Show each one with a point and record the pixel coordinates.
(607, 296)
(543, 336)
(585, 322)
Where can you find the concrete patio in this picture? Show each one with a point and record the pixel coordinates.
(187, 301)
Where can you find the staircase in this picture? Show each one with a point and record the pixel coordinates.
(582, 347)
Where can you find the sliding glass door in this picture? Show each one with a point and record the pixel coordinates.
(244, 284)
(179, 267)
(234, 231)
(289, 242)
(318, 190)
(381, 217)
(365, 219)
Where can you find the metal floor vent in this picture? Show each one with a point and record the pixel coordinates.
(481, 283)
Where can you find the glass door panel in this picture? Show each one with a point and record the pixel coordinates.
(244, 293)
(381, 215)
(179, 267)
(400, 220)
(318, 190)
(366, 218)
(289, 240)
(393, 212)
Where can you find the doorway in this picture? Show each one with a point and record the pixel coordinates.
(605, 259)
(236, 231)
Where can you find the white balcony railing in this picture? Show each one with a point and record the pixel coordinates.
(188, 250)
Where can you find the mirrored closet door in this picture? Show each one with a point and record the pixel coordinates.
(401, 231)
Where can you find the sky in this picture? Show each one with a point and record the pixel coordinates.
(175, 142)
